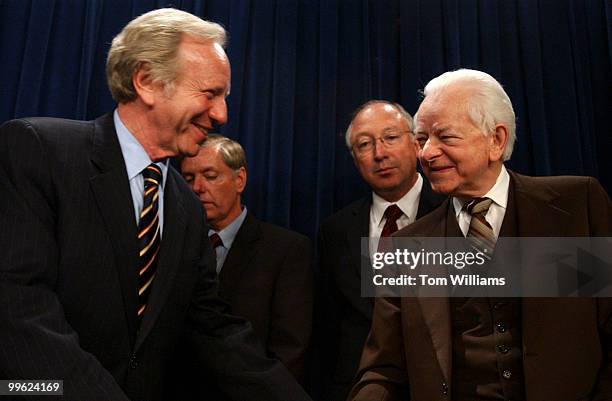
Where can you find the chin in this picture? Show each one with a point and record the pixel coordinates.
(443, 189)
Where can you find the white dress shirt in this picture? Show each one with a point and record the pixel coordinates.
(408, 204)
(495, 215)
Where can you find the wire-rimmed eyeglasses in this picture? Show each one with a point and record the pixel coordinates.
(365, 144)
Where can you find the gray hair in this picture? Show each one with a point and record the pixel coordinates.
(488, 104)
(405, 115)
(151, 41)
(231, 151)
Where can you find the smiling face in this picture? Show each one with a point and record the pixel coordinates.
(217, 185)
(457, 157)
(389, 171)
(182, 114)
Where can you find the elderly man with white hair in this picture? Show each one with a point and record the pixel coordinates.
(487, 347)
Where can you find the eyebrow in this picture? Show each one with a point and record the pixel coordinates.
(384, 130)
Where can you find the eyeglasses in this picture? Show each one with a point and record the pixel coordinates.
(366, 144)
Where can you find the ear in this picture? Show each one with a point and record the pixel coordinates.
(497, 142)
(144, 86)
(240, 179)
(417, 146)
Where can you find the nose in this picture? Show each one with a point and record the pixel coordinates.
(218, 111)
(429, 151)
(199, 185)
(379, 151)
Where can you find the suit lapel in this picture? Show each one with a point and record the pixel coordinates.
(358, 227)
(239, 255)
(537, 215)
(428, 200)
(110, 187)
(536, 211)
(436, 310)
(169, 254)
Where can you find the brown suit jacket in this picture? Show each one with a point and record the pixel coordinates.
(346, 316)
(566, 342)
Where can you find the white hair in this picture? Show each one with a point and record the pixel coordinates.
(488, 104)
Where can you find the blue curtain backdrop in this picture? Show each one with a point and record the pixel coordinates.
(299, 68)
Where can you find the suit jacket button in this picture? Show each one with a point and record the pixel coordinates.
(501, 328)
(444, 388)
(507, 374)
(503, 349)
(133, 362)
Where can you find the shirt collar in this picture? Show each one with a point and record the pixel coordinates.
(498, 193)
(135, 157)
(228, 234)
(408, 203)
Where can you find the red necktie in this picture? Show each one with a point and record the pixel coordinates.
(392, 213)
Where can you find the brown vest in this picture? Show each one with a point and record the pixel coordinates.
(487, 347)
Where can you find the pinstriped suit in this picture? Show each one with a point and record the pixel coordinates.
(68, 279)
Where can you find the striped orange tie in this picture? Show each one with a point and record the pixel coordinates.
(148, 235)
(480, 233)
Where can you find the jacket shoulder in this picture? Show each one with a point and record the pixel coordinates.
(49, 126)
(280, 235)
(337, 221)
(60, 137)
(563, 186)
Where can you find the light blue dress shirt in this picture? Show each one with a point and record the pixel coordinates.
(227, 235)
(136, 159)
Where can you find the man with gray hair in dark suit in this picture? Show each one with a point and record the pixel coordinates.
(106, 259)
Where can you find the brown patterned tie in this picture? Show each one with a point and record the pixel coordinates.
(148, 235)
(480, 233)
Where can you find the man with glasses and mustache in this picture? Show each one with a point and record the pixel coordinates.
(384, 150)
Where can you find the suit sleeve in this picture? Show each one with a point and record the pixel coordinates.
(37, 341)
(600, 221)
(227, 346)
(291, 317)
(382, 374)
(337, 367)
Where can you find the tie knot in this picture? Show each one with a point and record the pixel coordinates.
(152, 173)
(215, 240)
(479, 206)
(393, 212)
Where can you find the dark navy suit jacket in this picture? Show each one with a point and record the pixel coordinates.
(68, 280)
